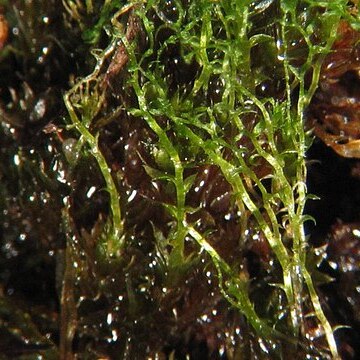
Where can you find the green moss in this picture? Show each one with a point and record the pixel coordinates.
(229, 80)
(178, 171)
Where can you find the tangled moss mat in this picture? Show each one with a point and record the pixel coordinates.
(153, 180)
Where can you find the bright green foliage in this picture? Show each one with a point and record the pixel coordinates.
(92, 16)
(221, 41)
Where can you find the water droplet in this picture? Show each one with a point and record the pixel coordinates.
(114, 335)
(280, 47)
(169, 12)
(263, 346)
(70, 150)
(356, 232)
(132, 196)
(16, 160)
(22, 237)
(39, 110)
(91, 192)
(109, 318)
(222, 350)
(260, 6)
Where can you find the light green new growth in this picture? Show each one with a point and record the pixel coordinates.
(86, 99)
(278, 138)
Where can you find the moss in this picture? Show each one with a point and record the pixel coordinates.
(183, 158)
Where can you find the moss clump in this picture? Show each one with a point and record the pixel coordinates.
(184, 164)
(190, 78)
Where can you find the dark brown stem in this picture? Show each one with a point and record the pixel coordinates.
(121, 56)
